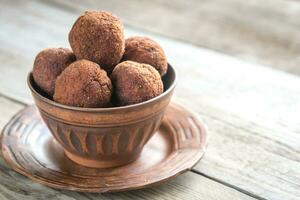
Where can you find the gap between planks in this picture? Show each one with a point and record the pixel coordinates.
(192, 170)
(228, 185)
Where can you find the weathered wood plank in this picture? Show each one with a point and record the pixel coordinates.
(8, 109)
(187, 186)
(251, 110)
(266, 33)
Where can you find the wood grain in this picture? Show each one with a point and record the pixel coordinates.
(252, 111)
(265, 33)
(8, 110)
(187, 186)
(28, 147)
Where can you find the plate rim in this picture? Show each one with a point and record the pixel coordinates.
(164, 177)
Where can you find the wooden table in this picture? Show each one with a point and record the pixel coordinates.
(252, 113)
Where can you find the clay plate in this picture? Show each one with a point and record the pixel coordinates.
(29, 148)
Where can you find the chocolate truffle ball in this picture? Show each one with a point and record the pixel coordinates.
(83, 84)
(135, 82)
(145, 50)
(48, 64)
(98, 37)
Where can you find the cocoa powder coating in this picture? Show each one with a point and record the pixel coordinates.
(145, 50)
(48, 64)
(83, 84)
(98, 37)
(135, 82)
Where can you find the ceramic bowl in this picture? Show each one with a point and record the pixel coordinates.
(103, 137)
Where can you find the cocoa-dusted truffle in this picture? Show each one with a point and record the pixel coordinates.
(83, 84)
(145, 50)
(48, 64)
(135, 82)
(98, 37)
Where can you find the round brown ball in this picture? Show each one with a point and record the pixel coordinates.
(145, 50)
(98, 37)
(135, 82)
(48, 64)
(83, 84)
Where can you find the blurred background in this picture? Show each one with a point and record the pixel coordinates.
(264, 33)
(238, 64)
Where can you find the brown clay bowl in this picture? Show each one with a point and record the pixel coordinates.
(103, 137)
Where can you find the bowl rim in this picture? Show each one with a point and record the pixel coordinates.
(119, 108)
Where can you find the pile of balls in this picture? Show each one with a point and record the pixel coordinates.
(102, 69)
